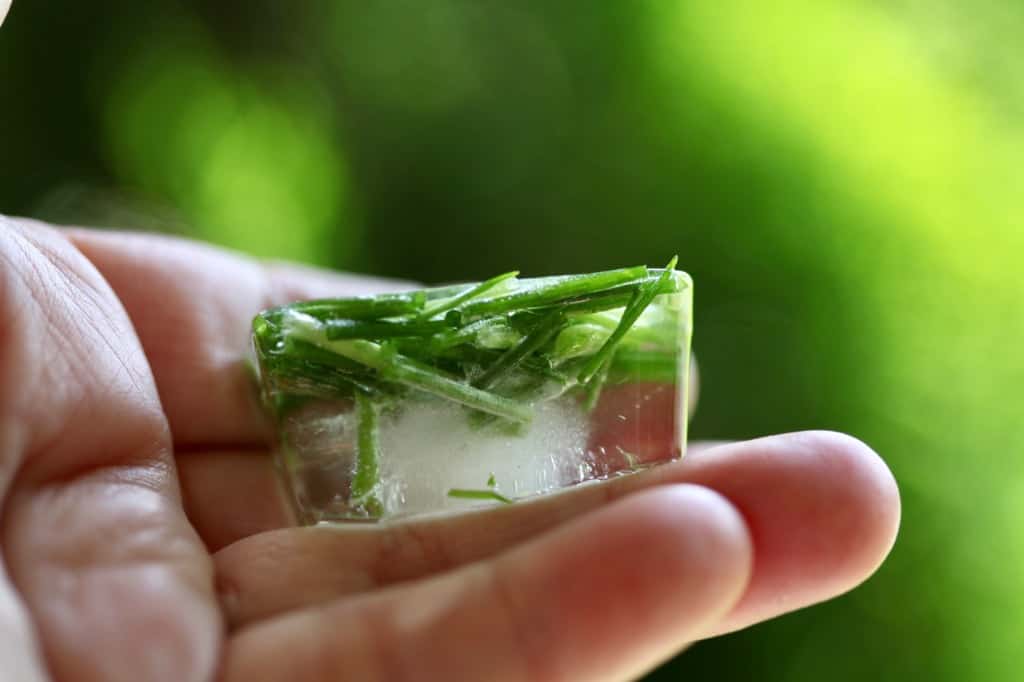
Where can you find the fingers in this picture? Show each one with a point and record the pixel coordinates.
(118, 585)
(192, 306)
(4, 6)
(606, 596)
(822, 508)
(229, 495)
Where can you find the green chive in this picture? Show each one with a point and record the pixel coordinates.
(367, 475)
(444, 305)
(594, 387)
(642, 297)
(508, 361)
(364, 307)
(469, 494)
(404, 370)
(381, 329)
(554, 290)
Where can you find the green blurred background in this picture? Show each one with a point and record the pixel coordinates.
(843, 180)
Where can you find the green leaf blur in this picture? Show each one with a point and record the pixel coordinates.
(842, 179)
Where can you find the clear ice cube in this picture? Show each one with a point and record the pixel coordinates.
(462, 397)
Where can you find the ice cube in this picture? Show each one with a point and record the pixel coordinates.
(456, 398)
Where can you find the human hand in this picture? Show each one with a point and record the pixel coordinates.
(145, 538)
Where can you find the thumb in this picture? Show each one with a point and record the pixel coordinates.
(94, 537)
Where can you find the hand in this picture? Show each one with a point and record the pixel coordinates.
(144, 537)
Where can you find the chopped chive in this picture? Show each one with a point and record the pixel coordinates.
(407, 371)
(617, 297)
(445, 305)
(490, 481)
(497, 337)
(534, 389)
(467, 357)
(508, 361)
(490, 332)
(304, 369)
(557, 289)
(594, 387)
(469, 494)
(299, 349)
(367, 456)
(381, 329)
(364, 307)
(425, 378)
(578, 340)
(312, 382)
(644, 334)
(642, 297)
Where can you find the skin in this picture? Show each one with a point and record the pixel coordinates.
(142, 534)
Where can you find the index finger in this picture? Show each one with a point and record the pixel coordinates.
(192, 306)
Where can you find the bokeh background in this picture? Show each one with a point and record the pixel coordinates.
(843, 180)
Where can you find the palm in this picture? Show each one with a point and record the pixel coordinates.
(108, 542)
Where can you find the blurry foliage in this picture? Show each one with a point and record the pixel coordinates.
(255, 170)
(841, 178)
